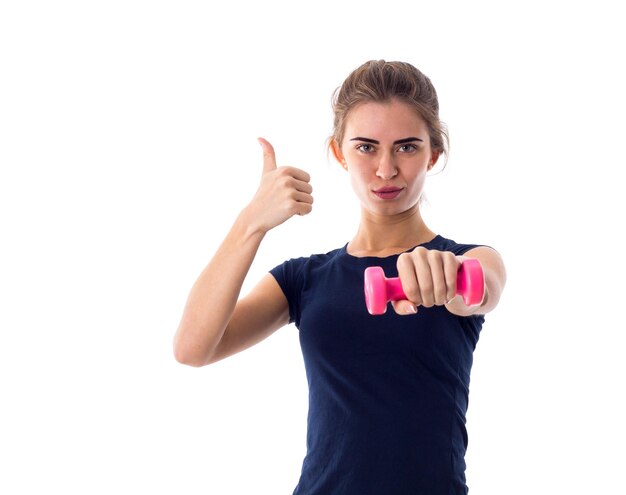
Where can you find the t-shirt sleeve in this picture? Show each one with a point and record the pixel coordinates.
(289, 276)
(461, 249)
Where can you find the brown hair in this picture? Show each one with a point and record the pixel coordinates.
(382, 81)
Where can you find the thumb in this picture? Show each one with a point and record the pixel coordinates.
(269, 157)
(404, 307)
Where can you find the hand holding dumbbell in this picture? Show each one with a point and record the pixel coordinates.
(470, 284)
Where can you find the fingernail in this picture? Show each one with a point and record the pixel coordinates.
(411, 309)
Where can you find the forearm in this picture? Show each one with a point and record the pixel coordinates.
(213, 297)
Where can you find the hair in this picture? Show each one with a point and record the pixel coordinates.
(382, 81)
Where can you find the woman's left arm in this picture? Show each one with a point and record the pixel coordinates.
(495, 279)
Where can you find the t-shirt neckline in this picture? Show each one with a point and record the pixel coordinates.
(344, 251)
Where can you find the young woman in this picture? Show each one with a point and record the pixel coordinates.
(387, 394)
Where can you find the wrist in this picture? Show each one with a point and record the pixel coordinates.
(248, 225)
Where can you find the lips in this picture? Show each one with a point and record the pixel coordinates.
(388, 192)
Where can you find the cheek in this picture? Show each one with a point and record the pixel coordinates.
(359, 182)
(416, 181)
(356, 181)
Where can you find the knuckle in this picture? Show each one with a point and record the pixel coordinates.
(418, 253)
(448, 256)
(406, 262)
(432, 253)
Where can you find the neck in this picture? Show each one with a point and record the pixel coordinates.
(383, 235)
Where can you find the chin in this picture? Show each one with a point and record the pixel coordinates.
(390, 209)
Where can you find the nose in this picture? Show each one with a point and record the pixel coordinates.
(386, 167)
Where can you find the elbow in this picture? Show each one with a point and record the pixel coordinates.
(189, 356)
(187, 359)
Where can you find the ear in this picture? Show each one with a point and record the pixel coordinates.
(336, 149)
(433, 159)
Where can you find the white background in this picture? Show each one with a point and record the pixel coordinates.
(127, 147)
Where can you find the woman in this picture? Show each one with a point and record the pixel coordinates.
(387, 394)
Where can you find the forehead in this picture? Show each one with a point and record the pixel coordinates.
(389, 120)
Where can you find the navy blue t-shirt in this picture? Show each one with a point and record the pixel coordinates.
(387, 394)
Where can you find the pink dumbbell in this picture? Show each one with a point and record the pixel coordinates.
(470, 284)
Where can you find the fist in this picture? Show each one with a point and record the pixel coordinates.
(428, 278)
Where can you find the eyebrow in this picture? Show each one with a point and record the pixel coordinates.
(399, 141)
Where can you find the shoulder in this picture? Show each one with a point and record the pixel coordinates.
(445, 244)
(303, 264)
(323, 258)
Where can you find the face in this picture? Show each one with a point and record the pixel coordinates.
(386, 150)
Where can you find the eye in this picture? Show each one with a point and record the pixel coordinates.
(365, 148)
(407, 148)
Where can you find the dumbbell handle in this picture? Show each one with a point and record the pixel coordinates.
(470, 284)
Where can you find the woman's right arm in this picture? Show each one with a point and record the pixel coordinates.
(215, 323)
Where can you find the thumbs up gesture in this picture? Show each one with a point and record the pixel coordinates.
(283, 192)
